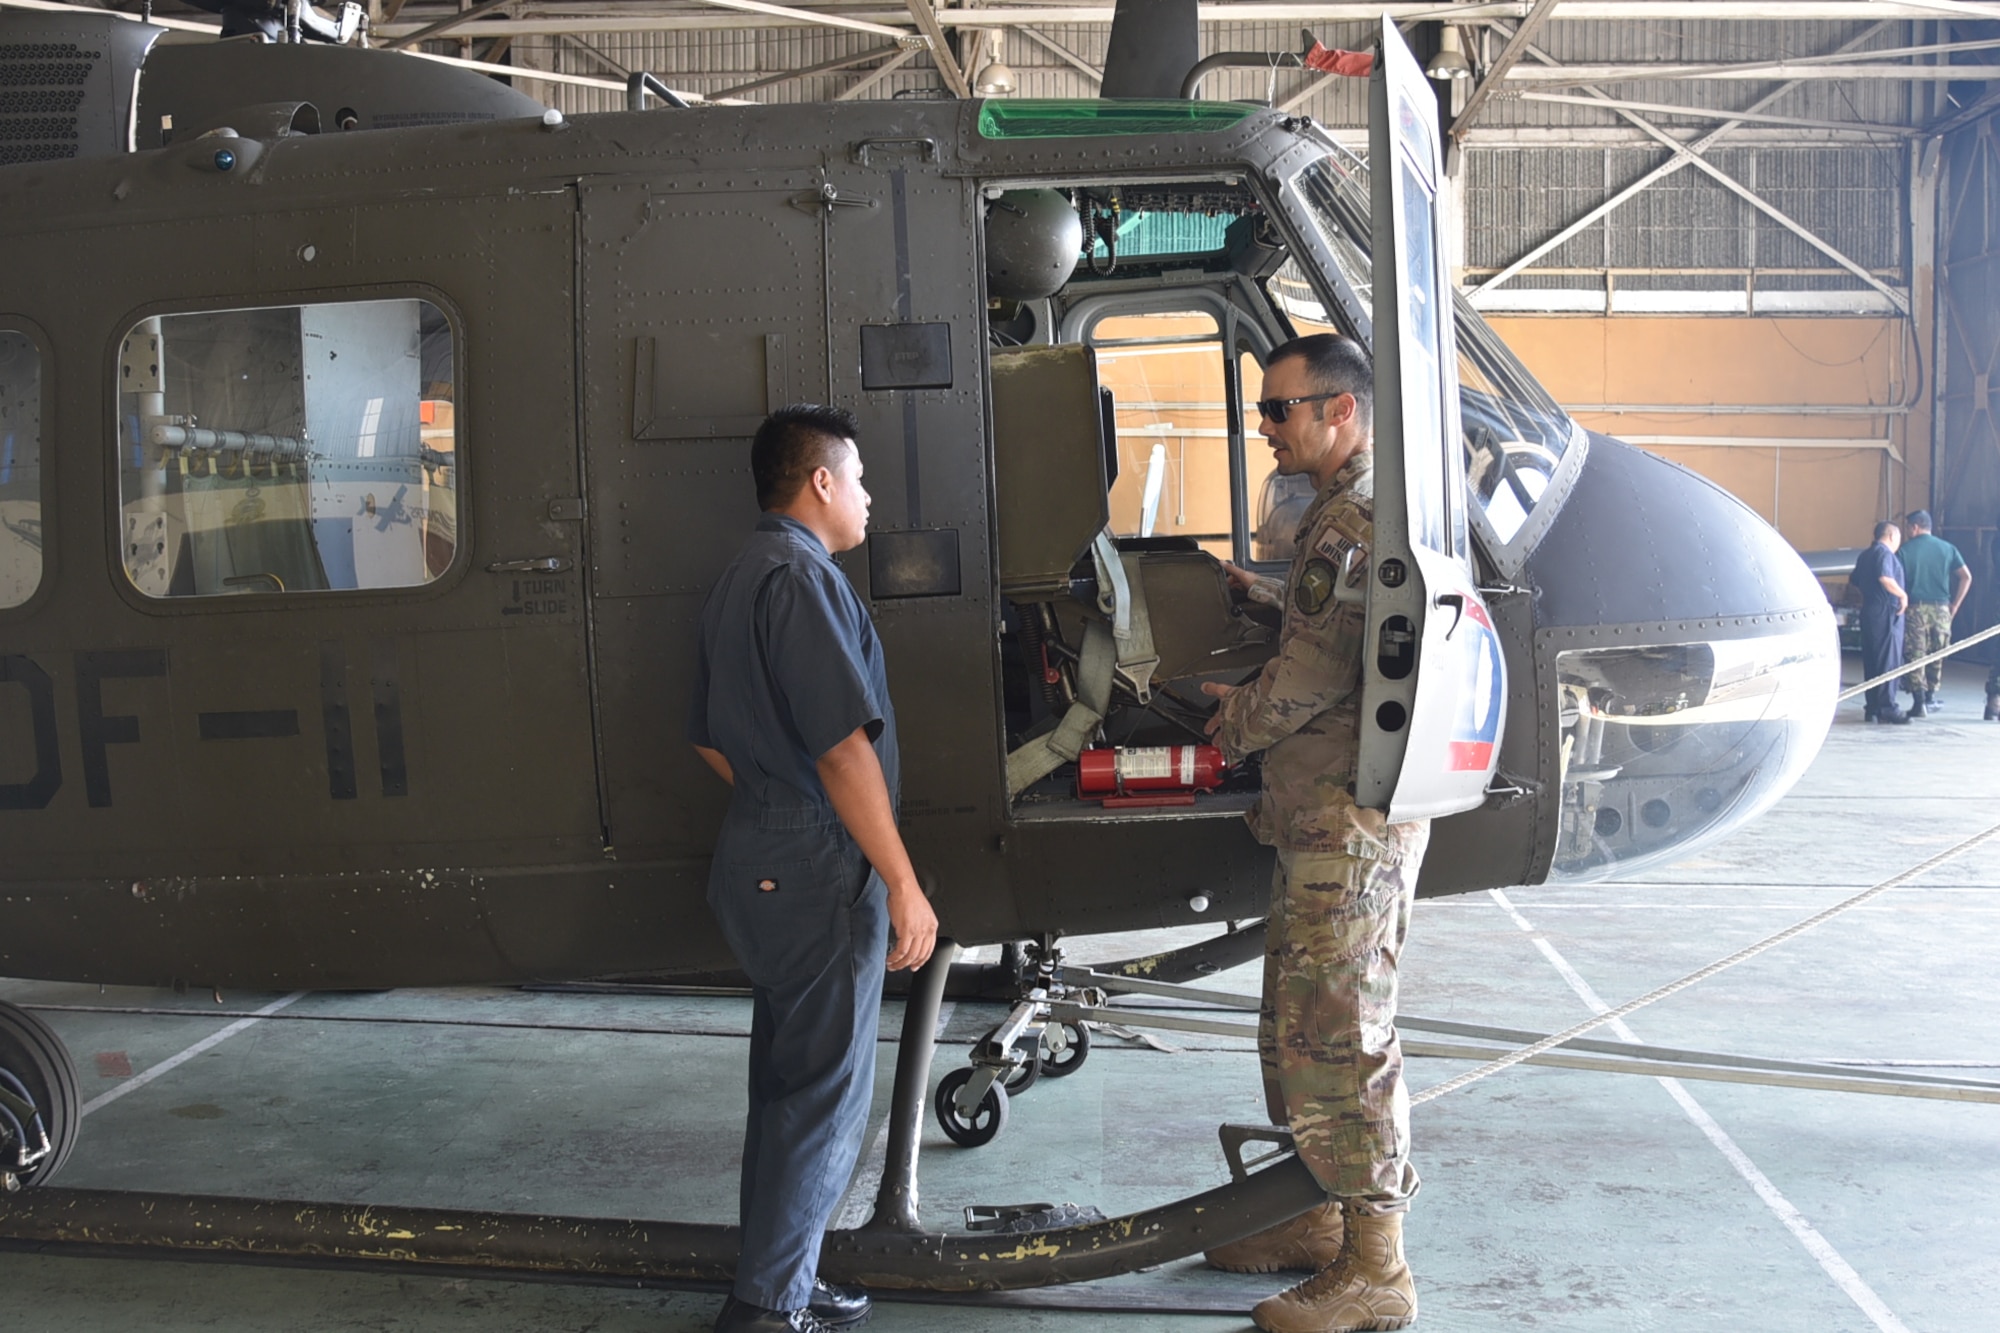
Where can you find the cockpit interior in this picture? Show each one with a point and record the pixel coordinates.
(1128, 326)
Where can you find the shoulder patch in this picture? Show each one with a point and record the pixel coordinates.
(1335, 546)
(1344, 553)
(1315, 586)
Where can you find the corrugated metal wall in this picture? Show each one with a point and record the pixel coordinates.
(1851, 196)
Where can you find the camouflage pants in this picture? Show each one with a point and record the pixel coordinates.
(1333, 1069)
(1926, 629)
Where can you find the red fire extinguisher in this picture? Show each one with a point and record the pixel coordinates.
(1148, 775)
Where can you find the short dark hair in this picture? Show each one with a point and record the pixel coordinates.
(1334, 365)
(1920, 518)
(1884, 528)
(792, 444)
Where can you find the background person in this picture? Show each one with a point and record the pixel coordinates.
(1937, 580)
(1879, 577)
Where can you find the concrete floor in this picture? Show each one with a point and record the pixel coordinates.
(1554, 1199)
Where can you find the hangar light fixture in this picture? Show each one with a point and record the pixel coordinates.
(996, 79)
(1449, 63)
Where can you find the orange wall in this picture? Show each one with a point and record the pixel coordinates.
(1818, 497)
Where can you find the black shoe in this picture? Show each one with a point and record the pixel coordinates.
(742, 1317)
(1992, 708)
(840, 1307)
(1917, 708)
(1895, 715)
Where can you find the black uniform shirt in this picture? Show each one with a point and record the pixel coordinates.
(790, 666)
(1876, 561)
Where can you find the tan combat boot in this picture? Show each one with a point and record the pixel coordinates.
(1368, 1287)
(1309, 1242)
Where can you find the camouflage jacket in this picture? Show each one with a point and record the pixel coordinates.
(1303, 710)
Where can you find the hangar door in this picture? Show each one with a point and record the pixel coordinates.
(1966, 470)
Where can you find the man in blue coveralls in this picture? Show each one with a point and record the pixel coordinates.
(1878, 576)
(791, 708)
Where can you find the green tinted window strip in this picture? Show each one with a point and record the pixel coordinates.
(1052, 119)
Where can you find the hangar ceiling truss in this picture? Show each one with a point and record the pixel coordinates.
(1690, 154)
(1799, 90)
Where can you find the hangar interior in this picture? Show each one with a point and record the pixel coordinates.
(1756, 238)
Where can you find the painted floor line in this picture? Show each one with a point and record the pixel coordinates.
(1829, 1259)
(174, 1062)
(1901, 909)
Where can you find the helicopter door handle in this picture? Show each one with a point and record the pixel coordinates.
(1456, 601)
(861, 150)
(547, 564)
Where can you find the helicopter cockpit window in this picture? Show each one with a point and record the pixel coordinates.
(1515, 434)
(1165, 373)
(288, 449)
(20, 468)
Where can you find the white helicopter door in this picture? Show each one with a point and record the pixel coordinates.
(1434, 682)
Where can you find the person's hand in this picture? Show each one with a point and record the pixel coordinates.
(1240, 580)
(1216, 690)
(913, 928)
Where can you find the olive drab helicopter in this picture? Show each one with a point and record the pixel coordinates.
(370, 435)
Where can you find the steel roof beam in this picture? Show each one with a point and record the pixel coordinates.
(1790, 71)
(444, 25)
(823, 67)
(1964, 116)
(1063, 53)
(1757, 201)
(1716, 113)
(812, 17)
(1683, 154)
(596, 55)
(927, 24)
(880, 72)
(520, 72)
(555, 18)
(1510, 54)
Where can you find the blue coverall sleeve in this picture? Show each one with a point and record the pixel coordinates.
(813, 651)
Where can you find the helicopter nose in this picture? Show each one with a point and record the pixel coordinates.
(1691, 656)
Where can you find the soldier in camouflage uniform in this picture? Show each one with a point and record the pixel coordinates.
(1345, 879)
(1937, 579)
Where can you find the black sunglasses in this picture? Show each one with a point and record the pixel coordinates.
(1276, 408)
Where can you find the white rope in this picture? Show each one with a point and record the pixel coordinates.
(1742, 955)
(1921, 662)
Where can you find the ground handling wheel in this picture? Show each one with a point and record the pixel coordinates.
(1065, 1046)
(1023, 1075)
(985, 1122)
(40, 1104)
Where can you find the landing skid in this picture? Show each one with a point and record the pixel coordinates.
(891, 1252)
(997, 981)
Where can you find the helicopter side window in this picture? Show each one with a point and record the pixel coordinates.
(20, 468)
(1165, 376)
(288, 449)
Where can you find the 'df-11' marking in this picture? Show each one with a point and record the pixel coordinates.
(98, 731)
